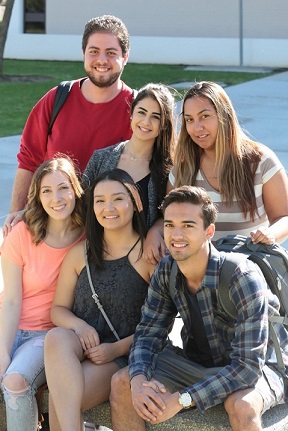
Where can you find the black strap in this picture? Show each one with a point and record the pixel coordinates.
(229, 265)
(62, 92)
(172, 278)
(133, 246)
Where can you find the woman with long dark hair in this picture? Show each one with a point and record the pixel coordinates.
(146, 156)
(244, 178)
(87, 348)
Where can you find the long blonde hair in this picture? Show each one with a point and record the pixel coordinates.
(237, 156)
(35, 217)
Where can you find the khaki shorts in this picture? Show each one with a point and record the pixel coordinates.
(177, 372)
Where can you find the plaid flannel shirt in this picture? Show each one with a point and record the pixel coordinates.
(245, 341)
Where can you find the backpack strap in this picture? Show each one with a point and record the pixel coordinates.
(229, 265)
(62, 92)
(280, 363)
(96, 297)
(172, 278)
(172, 285)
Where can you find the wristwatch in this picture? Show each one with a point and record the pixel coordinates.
(185, 399)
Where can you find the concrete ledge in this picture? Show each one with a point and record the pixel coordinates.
(215, 419)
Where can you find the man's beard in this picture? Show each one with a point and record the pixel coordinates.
(179, 257)
(107, 83)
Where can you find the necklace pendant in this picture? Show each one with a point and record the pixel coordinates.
(135, 158)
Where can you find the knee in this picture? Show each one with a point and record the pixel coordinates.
(15, 384)
(241, 408)
(120, 379)
(54, 340)
(61, 344)
(54, 336)
(120, 385)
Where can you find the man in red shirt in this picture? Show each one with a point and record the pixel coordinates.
(95, 115)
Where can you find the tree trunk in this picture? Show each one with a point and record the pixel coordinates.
(4, 25)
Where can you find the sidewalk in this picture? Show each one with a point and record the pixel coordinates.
(8, 149)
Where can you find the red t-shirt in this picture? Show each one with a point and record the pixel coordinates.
(81, 128)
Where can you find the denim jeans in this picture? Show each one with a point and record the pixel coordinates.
(27, 359)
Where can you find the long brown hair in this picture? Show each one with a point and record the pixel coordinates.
(161, 162)
(35, 217)
(237, 156)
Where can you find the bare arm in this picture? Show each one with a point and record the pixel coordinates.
(61, 310)
(107, 352)
(19, 198)
(10, 311)
(154, 246)
(275, 197)
(20, 189)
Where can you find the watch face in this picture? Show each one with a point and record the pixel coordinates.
(185, 399)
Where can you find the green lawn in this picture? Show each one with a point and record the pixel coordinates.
(18, 97)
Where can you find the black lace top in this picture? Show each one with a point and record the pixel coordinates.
(121, 291)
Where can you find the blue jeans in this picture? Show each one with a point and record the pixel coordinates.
(27, 359)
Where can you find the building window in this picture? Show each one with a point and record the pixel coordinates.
(34, 16)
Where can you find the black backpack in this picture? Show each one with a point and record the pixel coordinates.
(273, 262)
(62, 93)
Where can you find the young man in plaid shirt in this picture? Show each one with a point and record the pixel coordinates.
(223, 360)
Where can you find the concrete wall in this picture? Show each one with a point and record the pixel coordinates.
(164, 31)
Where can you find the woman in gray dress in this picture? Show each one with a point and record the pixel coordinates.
(83, 349)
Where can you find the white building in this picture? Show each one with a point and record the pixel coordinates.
(212, 32)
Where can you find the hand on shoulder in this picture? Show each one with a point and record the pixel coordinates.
(11, 220)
